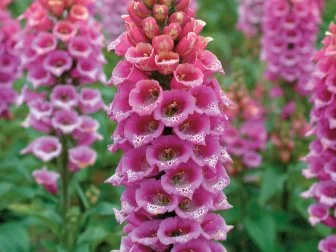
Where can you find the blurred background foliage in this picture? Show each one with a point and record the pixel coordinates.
(268, 213)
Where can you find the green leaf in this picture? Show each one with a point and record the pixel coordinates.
(13, 237)
(262, 230)
(5, 187)
(93, 236)
(85, 247)
(272, 183)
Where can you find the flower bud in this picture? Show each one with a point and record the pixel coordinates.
(149, 3)
(177, 17)
(150, 27)
(173, 30)
(160, 12)
(182, 5)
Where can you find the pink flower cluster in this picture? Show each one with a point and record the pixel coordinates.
(62, 51)
(250, 13)
(111, 12)
(67, 49)
(290, 29)
(9, 59)
(170, 114)
(246, 140)
(321, 159)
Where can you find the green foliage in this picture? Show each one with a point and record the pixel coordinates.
(13, 237)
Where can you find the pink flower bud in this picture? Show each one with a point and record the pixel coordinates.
(177, 17)
(78, 13)
(150, 27)
(173, 30)
(181, 5)
(163, 43)
(160, 12)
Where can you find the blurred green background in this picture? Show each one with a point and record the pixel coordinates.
(29, 218)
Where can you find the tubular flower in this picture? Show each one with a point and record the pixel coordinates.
(250, 14)
(170, 112)
(321, 159)
(9, 59)
(62, 51)
(290, 30)
(245, 133)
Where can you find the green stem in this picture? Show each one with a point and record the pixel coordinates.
(285, 198)
(65, 199)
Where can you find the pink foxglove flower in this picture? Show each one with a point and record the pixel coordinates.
(245, 132)
(170, 120)
(9, 59)
(289, 34)
(62, 52)
(250, 14)
(48, 179)
(321, 159)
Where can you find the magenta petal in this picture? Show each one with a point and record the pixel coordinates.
(215, 181)
(252, 159)
(220, 202)
(140, 130)
(214, 227)
(40, 109)
(120, 45)
(194, 245)
(142, 56)
(207, 154)
(206, 101)
(194, 129)
(45, 148)
(167, 152)
(90, 101)
(216, 247)
(57, 62)
(44, 43)
(166, 62)
(177, 230)
(196, 207)
(146, 233)
(328, 244)
(81, 156)
(40, 77)
(64, 30)
(183, 180)
(125, 71)
(64, 96)
(175, 107)
(79, 47)
(208, 62)
(120, 107)
(152, 197)
(145, 97)
(187, 75)
(318, 213)
(66, 121)
(135, 165)
(88, 68)
(326, 193)
(48, 179)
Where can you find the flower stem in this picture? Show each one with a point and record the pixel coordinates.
(65, 202)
